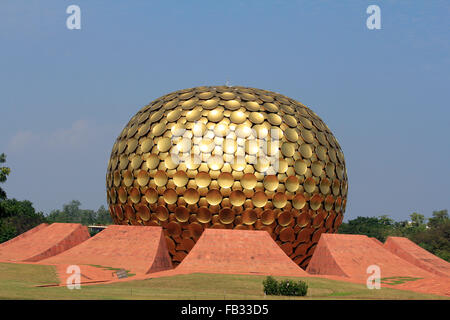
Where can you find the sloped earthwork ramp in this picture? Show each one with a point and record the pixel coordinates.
(139, 249)
(351, 255)
(43, 242)
(238, 252)
(411, 252)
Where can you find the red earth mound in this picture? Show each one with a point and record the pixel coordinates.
(411, 252)
(239, 252)
(350, 255)
(138, 249)
(43, 242)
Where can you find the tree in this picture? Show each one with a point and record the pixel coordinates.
(379, 228)
(4, 172)
(16, 217)
(72, 213)
(417, 219)
(103, 216)
(438, 218)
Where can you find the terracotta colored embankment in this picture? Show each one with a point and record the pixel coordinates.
(350, 255)
(409, 251)
(138, 249)
(239, 252)
(45, 242)
(24, 235)
(378, 242)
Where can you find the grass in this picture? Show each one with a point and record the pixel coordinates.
(397, 280)
(18, 281)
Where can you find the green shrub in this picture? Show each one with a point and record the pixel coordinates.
(284, 287)
(270, 286)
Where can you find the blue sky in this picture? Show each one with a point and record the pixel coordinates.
(65, 95)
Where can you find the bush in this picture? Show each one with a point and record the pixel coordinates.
(284, 287)
(270, 286)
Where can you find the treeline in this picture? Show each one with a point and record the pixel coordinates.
(432, 234)
(72, 213)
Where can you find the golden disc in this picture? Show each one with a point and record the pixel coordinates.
(195, 229)
(191, 196)
(225, 180)
(271, 107)
(136, 162)
(315, 202)
(172, 116)
(248, 181)
(287, 234)
(329, 202)
(306, 150)
(268, 217)
(300, 167)
(180, 178)
(142, 178)
(164, 144)
(214, 197)
(252, 106)
(161, 213)
(135, 195)
(325, 185)
(160, 178)
(291, 134)
(210, 104)
(232, 105)
(249, 217)
(215, 115)
(317, 168)
(152, 161)
(307, 135)
(298, 201)
(279, 200)
(238, 117)
(290, 120)
(127, 178)
(173, 228)
(189, 104)
(274, 119)
(237, 198)
(256, 117)
(205, 95)
(285, 218)
(309, 185)
(288, 149)
(170, 196)
(259, 199)
(226, 215)
(182, 214)
(227, 95)
(204, 215)
(151, 195)
(143, 212)
(271, 182)
(292, 184)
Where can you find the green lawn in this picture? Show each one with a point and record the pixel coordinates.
(18, 281)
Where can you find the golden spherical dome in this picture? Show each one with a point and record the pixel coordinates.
(228, 157)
